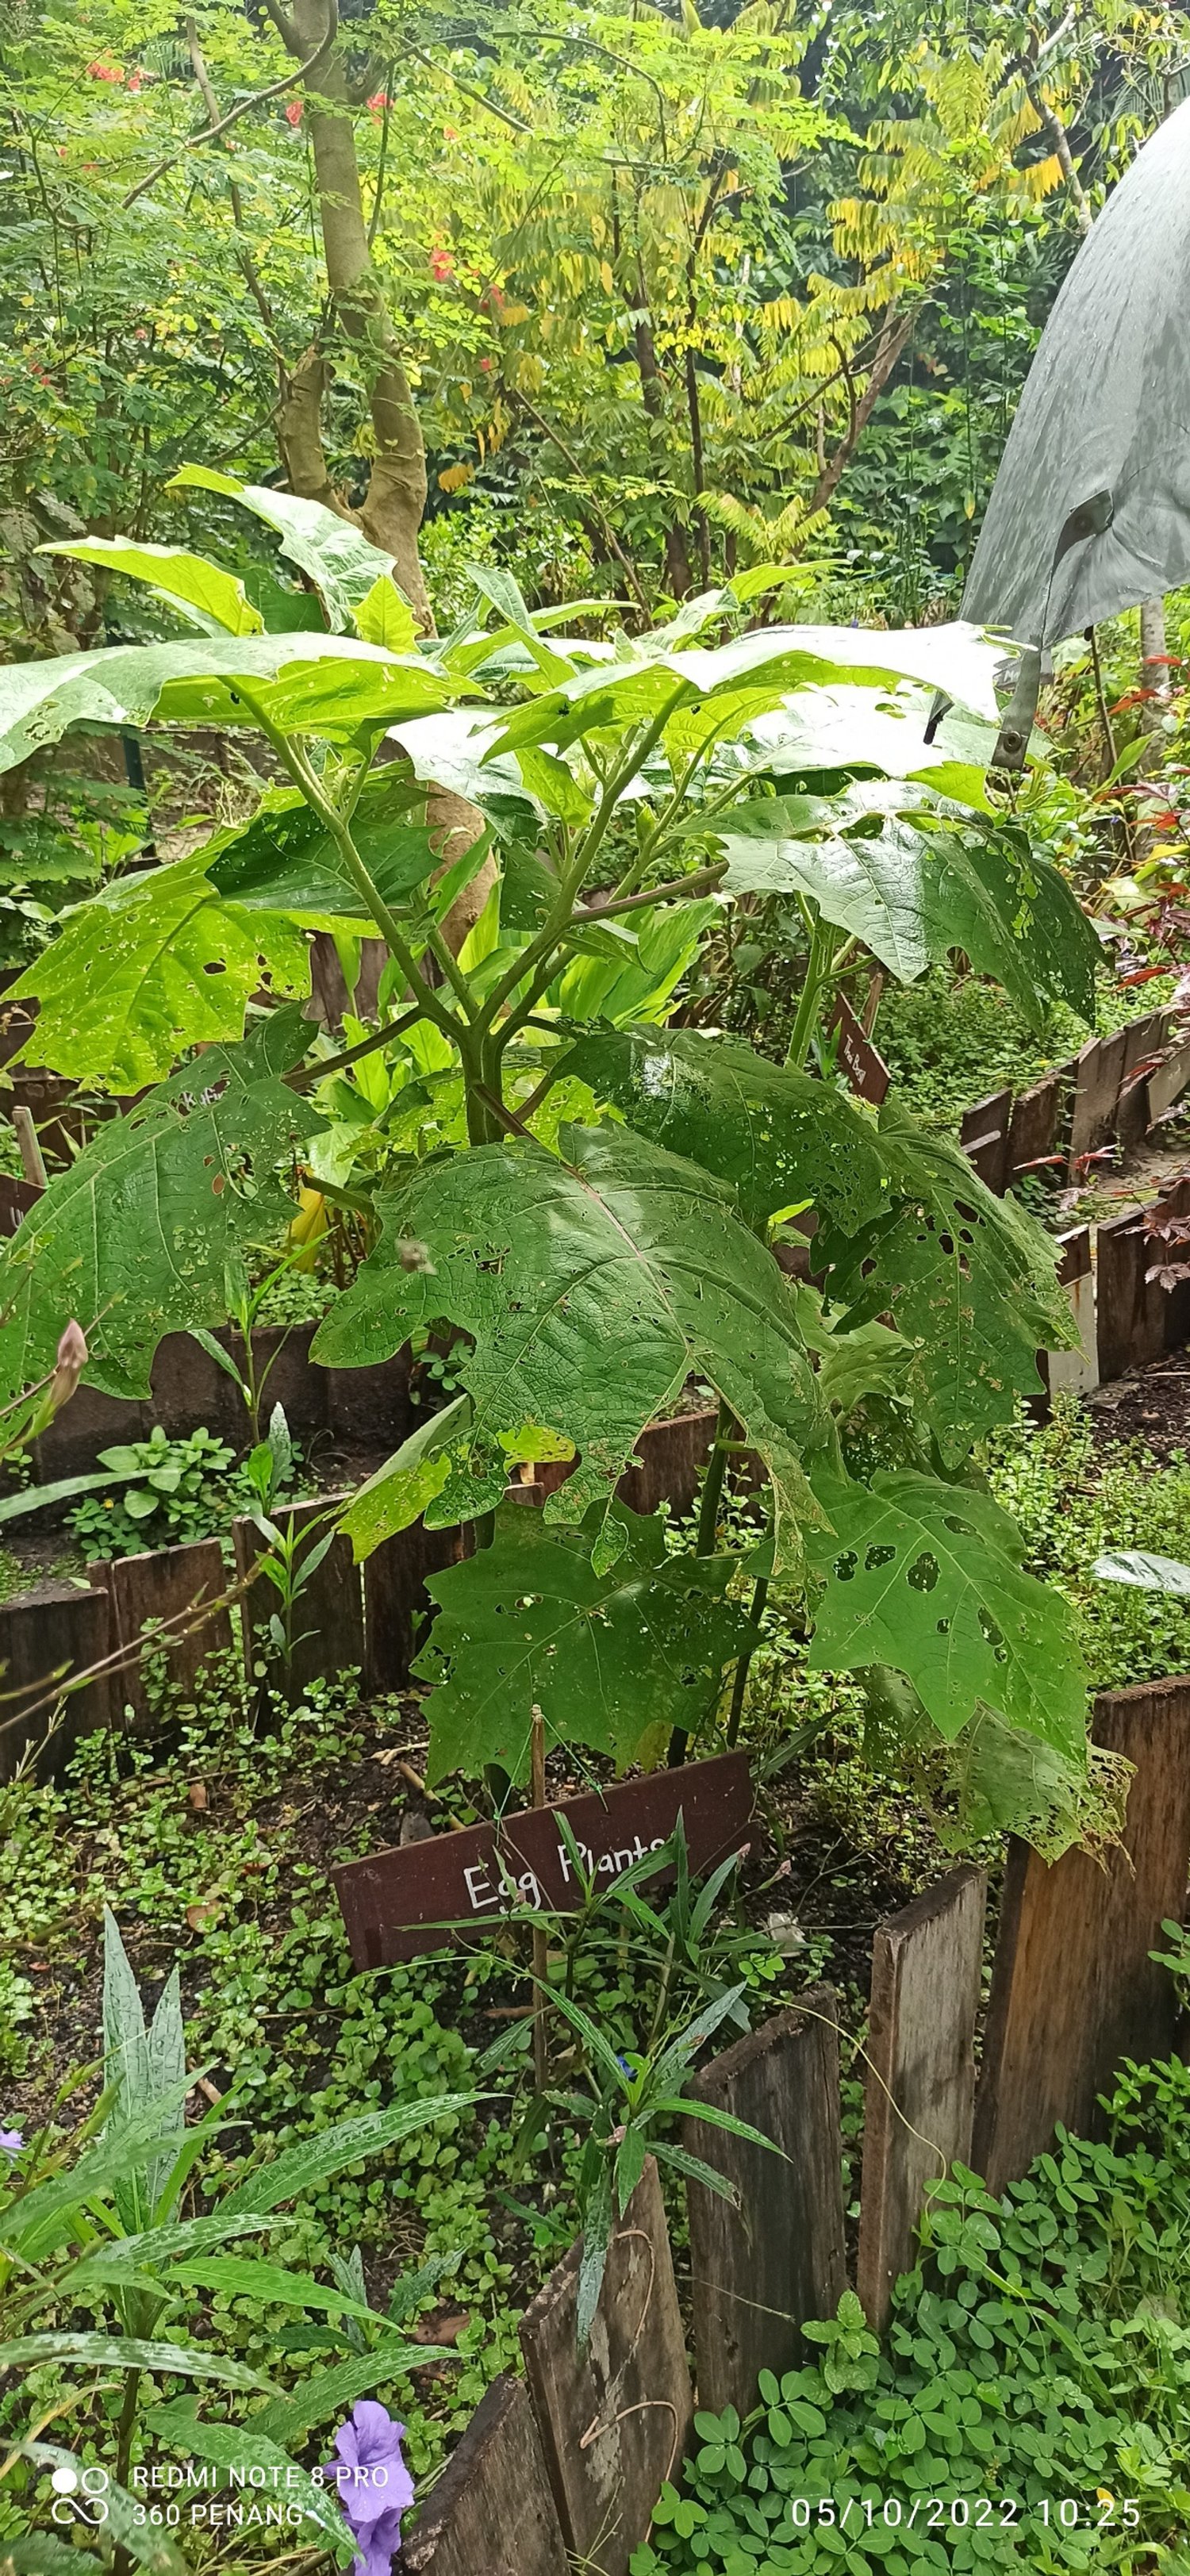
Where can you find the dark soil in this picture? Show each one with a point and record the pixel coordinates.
(1151, 1405)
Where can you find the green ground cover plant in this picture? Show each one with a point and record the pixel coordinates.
(1033, 2380)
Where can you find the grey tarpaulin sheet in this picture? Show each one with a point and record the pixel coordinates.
(1090, 512)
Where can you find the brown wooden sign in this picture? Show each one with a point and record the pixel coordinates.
(866, 1071)
(399, 1903)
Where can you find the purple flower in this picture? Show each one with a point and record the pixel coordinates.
(11, 2142)
(376, 2555)
(374, 2485)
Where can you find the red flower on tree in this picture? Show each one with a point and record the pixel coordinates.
(442, 265)
(293, 113)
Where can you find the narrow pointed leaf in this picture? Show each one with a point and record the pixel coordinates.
(349, 2142)
(128, 2352)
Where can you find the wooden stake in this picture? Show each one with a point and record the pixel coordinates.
(31, 1154)
(540, 1936)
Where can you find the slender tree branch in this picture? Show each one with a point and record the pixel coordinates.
(382, 163)
(247, 264)
(259, 98)
(585, 480)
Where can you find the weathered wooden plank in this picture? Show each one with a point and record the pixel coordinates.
(328, 1619)
(1138, 1319)
(90, 1422)
(1131, 1321)
(1076, 1372)
(1098, 1075)
(1144, 1039)
(670, 1459)
(984, 1133)
(421, 1896)
(1169, 1078)
(161, 1584)
(760, 2271)
(919, 2089)
(1074, 1988)
(491, 2513)
(189, 1388)
(62, 1628)
(1035, 1124)
(370, 1407)
(614, 2416)
(396, 1602)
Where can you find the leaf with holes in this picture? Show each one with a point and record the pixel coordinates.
(152, 965)
(778, 1137)
(328, 685)
(969, 1279)
(898, 872)
(928, 1578)
(136, 1236)
(591, 1286)
(608, 1658)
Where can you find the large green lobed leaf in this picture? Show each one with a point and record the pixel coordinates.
(285, 860)
(777, 1136)
(608, 1658)
(135, 1238)
(324, 684)
(153, 965)
(913, 881)
(927, 1577)
(969, 1279)
(591, 1286)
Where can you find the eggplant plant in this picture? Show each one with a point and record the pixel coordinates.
(583, 1195)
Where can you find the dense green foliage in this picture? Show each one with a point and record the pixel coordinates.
(1027, 2407)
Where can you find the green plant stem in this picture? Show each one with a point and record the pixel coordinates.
(122, 2563)
(739, 1686)
(702, 882)
(307, 1075)
(704, 1544)
(303, 776)
(818, 972)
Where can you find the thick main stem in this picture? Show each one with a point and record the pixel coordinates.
(708, 1531)
(818, 970)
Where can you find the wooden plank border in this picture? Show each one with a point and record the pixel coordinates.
(761, 2270)
(1074, 1988)
(919, 2091)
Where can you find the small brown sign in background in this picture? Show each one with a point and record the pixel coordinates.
(401, 1902)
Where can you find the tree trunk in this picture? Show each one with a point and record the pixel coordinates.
(1154, 680)
(1154, 665)
(677, 560)
(392, 512)
(891, 342)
